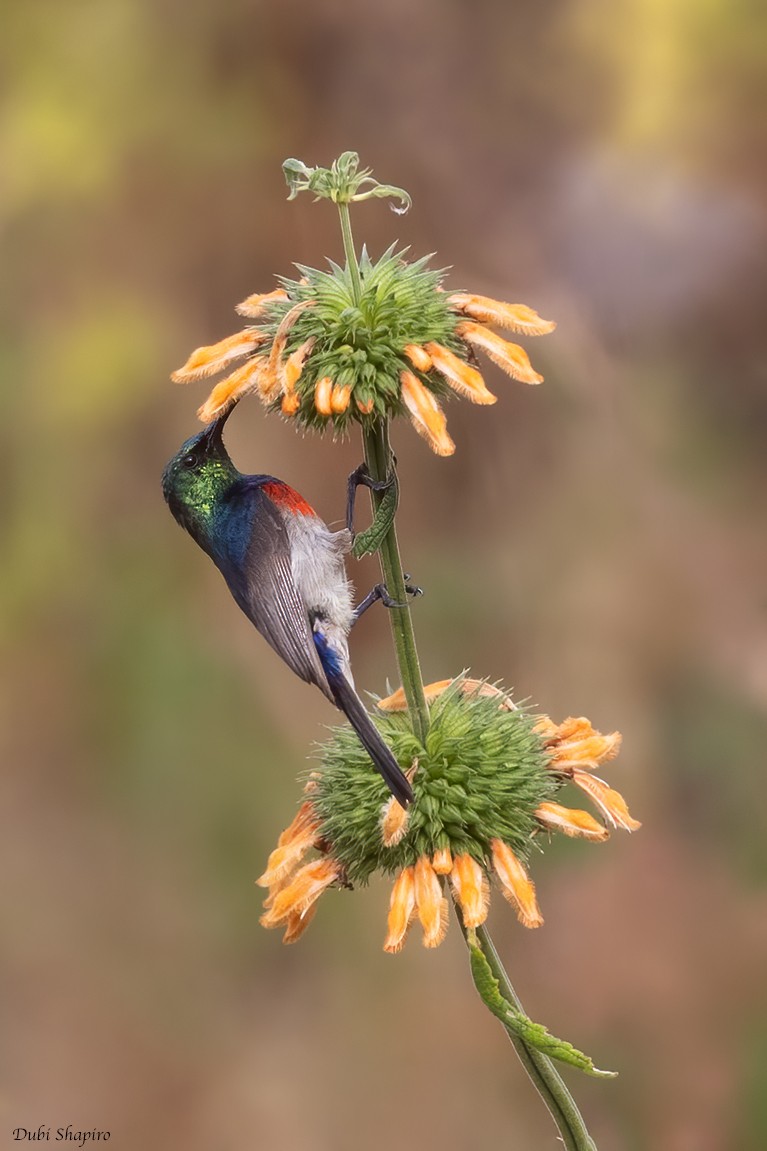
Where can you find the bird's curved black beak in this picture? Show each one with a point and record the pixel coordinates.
(213, 435)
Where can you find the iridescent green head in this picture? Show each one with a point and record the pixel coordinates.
(197, 477)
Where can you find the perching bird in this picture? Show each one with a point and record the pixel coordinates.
(285, 569)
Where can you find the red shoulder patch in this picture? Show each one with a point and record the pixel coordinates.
(288, 499)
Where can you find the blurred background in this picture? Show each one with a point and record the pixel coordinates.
(598, 543)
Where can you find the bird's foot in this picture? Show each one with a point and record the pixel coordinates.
(361, 476)
(380, 592)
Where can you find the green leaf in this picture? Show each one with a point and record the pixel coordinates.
(385, 191)
(534, 1034)
(297, 176)
(371, 539)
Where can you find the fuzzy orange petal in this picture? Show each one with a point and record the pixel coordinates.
(442, 861)
(513, 359)
(254, 305)
(323, 393)
(273, 378)
(611, 803)
(587, 752)
(516, 885)
(401, 910)
(212, 358)
(365, 406)
(394, 823)
(232, 388)
(575, 727)
(304, 889)
(340, 397)
(546, 728)
(431, 903)
(471, 889)
(480, 687)
(461, 377)
(294, 365)
(305, 817)
(426, 415)
(397, 701)
(516, 317)
(571, 821)
(297, 923)
(292, 845)
(418, 357)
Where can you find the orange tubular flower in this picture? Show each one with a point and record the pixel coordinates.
(461, 377)
(516, 885)
(571, 821)
(471, 889)
(442, 861)
(289, 404)
(419, 357)
(291, 847)
(209, 360)
(255, 305)
(513, 359)
(431, 903)
(294, 365)
(611, 803)
(339, 398)
(426, 415)
(393, 823)
(323, 396)
(397, 701)
(515, 317)
(297, 922)
(246, 378)
(401, 910)
(576, 749)
(301, 892)
(274, 374)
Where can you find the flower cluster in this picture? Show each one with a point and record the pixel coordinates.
(329, 348)
(484, 785)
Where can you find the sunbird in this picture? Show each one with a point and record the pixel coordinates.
(285, 569)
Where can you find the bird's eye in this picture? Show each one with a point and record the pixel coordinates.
(190, 461)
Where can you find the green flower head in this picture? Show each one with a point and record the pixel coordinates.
(484, 785)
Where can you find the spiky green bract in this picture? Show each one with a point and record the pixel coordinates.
(481, 776)
(362, 345)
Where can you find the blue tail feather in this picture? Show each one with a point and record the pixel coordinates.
(353, 708)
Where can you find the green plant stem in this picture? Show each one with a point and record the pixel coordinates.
(380, 465)
(349, 250)
(540, 1069)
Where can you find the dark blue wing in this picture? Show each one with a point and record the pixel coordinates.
(257, 568)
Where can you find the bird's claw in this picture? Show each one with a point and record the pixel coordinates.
(380, 592)
(361, 476)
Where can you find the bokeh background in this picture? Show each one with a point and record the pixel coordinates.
(599, 543)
